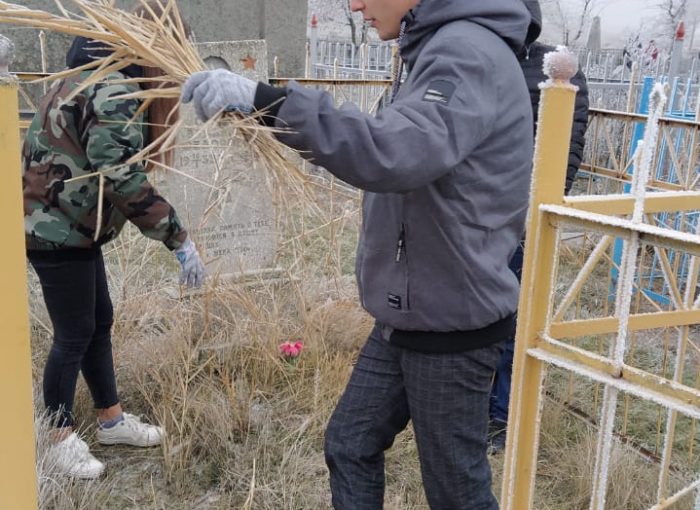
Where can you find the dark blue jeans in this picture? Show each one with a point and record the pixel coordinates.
(446, 396)
(75, 291)
(500, 392)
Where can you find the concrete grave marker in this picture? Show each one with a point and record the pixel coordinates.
(226, 204)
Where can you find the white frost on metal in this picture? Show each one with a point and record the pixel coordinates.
(678, 496)
(612, 221)
(623, 299)
(644, 158)
(693, 281)
(553, 282)
(692, 274)
(7, 54)
(513, 435)
(584, 273)
(601, 472)
(646, 150)
(623, 385)
(667, 280)
(514, 428)
(559, 66)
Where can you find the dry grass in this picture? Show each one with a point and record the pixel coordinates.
(567, 462)
(245, 428)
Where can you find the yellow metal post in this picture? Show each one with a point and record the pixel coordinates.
(18, 489)
(551, 158)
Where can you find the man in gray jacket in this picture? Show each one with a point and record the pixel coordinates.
(446, 167)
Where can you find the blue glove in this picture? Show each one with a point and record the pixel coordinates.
(192, 273)
(217, 91)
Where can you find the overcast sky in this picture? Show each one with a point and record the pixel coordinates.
(621, 16)
(618, 15)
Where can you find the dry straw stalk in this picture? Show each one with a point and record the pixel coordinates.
(158, 41)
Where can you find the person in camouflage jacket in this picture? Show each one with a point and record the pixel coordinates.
(68, 142)
(76, 144)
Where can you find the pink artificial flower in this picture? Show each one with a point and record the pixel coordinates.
(291, 350)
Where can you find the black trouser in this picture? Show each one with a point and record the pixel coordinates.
(446, 396)
(500, 394)
(75, 291)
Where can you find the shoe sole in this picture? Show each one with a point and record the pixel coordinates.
(79, 476)
(115, 442)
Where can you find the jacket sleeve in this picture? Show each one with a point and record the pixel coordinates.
(110, 140)
(410, 143)
(578, 131)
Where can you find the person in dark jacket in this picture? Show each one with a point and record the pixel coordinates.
(531, 58)
(436, 238)
(78, 194)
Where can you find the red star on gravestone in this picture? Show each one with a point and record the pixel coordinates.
(249, 63)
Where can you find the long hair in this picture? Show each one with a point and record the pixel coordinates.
(162, 112)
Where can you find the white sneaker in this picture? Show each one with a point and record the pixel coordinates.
(131, 431)
(72, 457)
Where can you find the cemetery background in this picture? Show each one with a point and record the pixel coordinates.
(281, 23)
(246, 427)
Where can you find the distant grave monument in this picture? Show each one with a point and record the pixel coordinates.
(594, 42)
(223, 198)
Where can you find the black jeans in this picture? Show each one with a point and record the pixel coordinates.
(500, 393)
(446, 396)
(75, 291)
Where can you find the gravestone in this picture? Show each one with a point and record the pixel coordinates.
(223, 198)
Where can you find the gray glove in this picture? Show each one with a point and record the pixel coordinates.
(219, 90)
(192, 273)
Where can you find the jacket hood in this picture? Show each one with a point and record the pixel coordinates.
(84, 50)
(509, 19)
(535, 29)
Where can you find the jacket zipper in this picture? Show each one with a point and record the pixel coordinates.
(400, 245)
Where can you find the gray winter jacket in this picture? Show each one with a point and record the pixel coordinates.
(446, 168)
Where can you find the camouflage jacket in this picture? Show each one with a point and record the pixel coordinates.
(85, 135)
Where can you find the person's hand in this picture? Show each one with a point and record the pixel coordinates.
(192, 273)
(219, 90)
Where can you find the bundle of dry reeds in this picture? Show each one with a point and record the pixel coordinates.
(159, 40)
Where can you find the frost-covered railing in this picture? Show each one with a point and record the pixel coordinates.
(603, 66)
(610, 147)
(368, 60)
(369, 94)
(627, 365)
(612, 75)
(675, 166)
